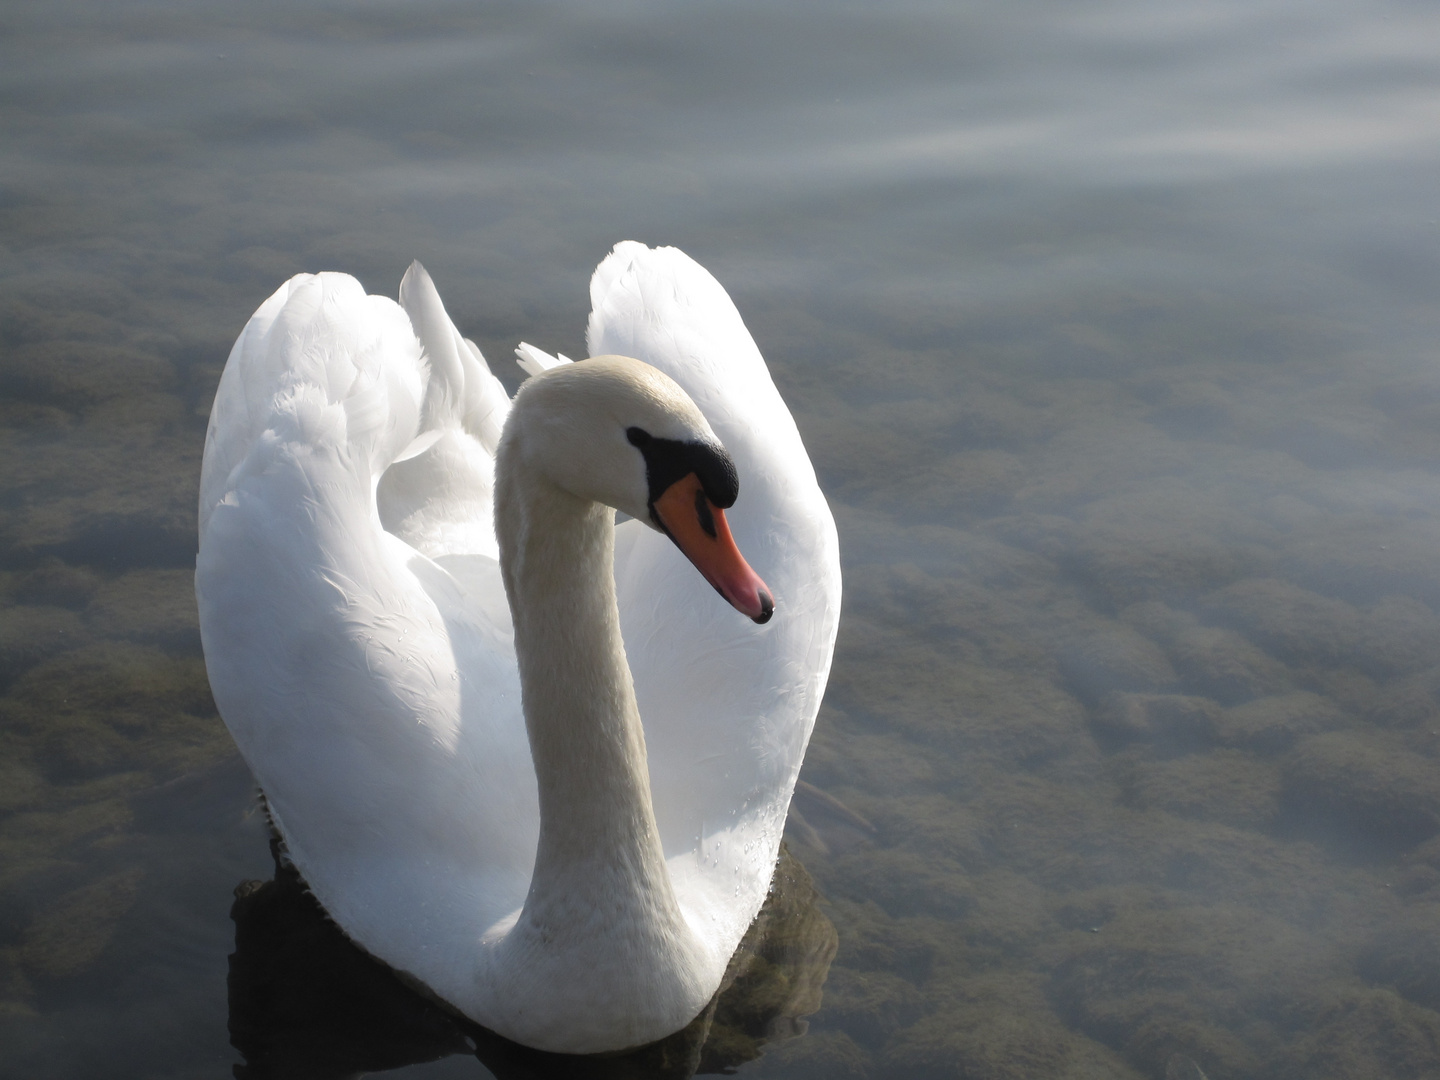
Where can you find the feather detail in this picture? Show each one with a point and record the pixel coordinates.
(535, 361)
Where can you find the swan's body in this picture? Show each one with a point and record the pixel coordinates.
(362, 652)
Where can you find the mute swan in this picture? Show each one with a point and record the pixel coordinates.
(369, 496)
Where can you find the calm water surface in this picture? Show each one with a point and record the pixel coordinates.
(1110, 326)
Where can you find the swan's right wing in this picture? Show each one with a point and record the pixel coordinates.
(728, 706)
(372, 690)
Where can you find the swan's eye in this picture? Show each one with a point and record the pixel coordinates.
(702, 511)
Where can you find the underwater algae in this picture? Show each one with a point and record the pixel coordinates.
(105, 711)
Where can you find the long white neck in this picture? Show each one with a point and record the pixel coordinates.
(600, 880)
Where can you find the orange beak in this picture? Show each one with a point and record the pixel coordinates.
(700, 530)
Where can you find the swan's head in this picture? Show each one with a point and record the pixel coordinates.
(617, 431)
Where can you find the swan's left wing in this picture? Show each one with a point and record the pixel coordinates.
(728, 705)
(371, 687)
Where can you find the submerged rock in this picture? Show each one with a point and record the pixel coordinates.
(1366, 1033)
(1099, 658)
(56, 582)
(1227, 786)
(998, 1025)
(1274, 723)
(1404, 956)
(69, 936)
(1398, 635)
(31, 633)
(1218, 662)
(1173, 723)
(1366, 784)
(151, 606)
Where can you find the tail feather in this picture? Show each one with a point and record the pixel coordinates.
(486, 402)
(537, 361)
(437, 494)
(462, 388)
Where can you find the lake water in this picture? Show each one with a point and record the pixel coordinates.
(1110, 327)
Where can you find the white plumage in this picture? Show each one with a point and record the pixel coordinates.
(362, 652)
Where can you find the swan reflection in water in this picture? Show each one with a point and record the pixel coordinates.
(306, 1002)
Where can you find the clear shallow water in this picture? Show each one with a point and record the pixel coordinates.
(1109, 327)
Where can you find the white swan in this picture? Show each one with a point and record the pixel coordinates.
(362, 652)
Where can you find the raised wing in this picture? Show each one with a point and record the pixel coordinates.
(371, 687)
(728, 706)
(284, 356)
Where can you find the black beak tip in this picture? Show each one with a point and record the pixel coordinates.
(767, 607)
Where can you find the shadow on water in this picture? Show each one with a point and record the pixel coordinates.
(306, 1002)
